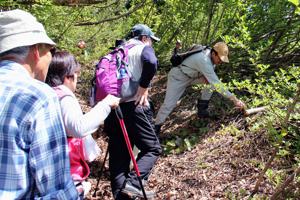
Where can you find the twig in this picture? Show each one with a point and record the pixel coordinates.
(268, 164)
(262, 173)
(112, 18)
(280, 188)
(292, 106)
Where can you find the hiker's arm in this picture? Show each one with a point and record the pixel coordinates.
(238, 103)
(208, 72)
(210, 75)
(149, 62)
(79, 124)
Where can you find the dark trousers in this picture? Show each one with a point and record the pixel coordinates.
(140, 128)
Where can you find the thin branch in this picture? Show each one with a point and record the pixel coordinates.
(262, 173)
(69, 26)
(280, 35)
(70, 3)
(148, 14)
(219, 21)
(78, 2)
(138, 6)
(210, 16)
(108, 5)
(292, 106)
(281, 187)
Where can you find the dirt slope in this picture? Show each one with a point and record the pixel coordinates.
(223, 164)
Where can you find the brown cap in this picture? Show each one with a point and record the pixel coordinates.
(222, 49)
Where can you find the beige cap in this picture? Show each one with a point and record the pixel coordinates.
(222, 49)
(19, 28)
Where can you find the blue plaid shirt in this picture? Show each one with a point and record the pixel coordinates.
(34, 162)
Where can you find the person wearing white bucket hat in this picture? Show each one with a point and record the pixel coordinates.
(195, 69)
(34, 152)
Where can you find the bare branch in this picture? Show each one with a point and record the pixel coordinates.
(78, 2)
(64, 2)
(280, 188)
(108, 5)
(280, 35)
(292, 106)
(138, 6)
(262, 173)
(209, 20)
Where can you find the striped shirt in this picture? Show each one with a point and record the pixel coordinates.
(33, 146)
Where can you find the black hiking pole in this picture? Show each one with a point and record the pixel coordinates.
(100, 172)
(125, 134)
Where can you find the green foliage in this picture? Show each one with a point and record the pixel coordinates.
(276, 92)
(297, 4)
(264, 42)
(185, 142)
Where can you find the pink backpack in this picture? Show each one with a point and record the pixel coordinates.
(79, 167)
(113, 77)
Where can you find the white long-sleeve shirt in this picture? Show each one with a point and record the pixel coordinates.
(78, 124)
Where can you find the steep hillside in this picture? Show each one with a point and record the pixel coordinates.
(219, 158)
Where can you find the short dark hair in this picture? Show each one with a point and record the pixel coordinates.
(214, 51)
(63, 64)
(20, 52)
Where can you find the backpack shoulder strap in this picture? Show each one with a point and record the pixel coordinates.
(60, 92)
(189, 54)
(193, 51)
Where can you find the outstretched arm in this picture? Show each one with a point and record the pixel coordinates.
(79, 124)
(208, 72)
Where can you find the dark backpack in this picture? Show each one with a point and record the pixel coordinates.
(178, 58)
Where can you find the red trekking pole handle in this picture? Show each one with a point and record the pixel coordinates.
(125, 134)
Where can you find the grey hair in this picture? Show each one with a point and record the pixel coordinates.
(18, 52)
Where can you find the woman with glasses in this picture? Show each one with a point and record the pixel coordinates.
(63, 74)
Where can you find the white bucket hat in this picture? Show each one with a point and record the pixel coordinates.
(19, 28)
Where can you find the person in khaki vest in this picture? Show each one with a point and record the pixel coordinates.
(197, 68)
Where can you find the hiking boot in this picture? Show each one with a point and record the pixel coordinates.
(202, 106)
(157, 129)
(134, 192)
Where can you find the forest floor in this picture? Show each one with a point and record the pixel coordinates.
(224, 162)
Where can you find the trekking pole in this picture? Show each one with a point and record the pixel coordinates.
(100, 172)
(125, 134)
